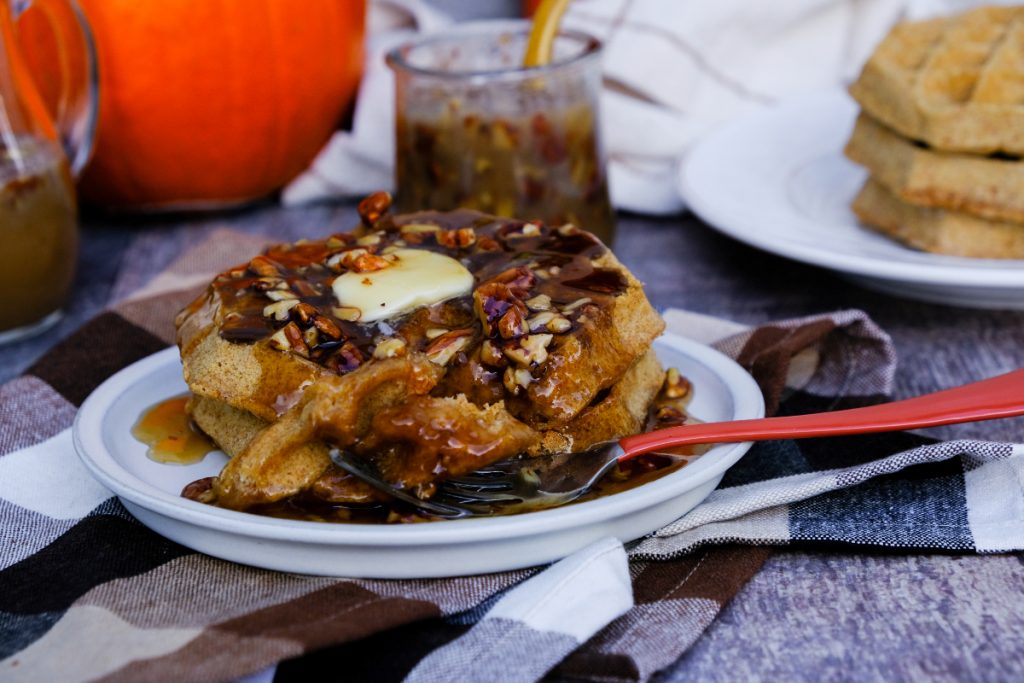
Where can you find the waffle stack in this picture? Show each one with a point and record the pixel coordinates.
(942, 133)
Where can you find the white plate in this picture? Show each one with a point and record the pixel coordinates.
(149, 490)
(778, 180)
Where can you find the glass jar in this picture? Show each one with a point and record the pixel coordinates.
(475, 129)
(38, 212)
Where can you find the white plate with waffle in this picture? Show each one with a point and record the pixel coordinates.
(777, 180)
(151, 490)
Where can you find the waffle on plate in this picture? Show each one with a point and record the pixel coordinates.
(955, 83)
(432, 343)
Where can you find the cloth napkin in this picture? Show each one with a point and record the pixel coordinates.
(87, 593)
(673, 71)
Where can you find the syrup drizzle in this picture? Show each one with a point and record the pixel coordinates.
(170, 435)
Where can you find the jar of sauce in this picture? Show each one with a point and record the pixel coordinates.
(475, 129)
(38, 213)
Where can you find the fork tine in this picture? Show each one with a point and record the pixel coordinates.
(476, 497)
(365, 471)
(477, 484)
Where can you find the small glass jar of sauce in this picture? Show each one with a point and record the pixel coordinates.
(475, 129)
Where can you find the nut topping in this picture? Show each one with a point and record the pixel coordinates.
(444, 348)
(326, 327)
(279, 309)
(390, 348)
(459, 238)
(512, 324)
(576, 304)
(373, 207)
(304, 313)
(279, 294)
(289, 338)
(263, 266)
(529, 351)
(491, 354)
(541, 302)
(676, 386)
(516, 379)
(346, 313)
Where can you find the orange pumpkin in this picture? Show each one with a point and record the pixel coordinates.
(215, 102)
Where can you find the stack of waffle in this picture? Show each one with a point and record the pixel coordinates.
(942, 133)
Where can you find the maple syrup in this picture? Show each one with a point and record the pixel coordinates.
(168, 431)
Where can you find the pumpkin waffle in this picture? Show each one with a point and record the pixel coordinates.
(991, 188)
(937, 230)
(955, 83)
(548, 322)
(621, 410)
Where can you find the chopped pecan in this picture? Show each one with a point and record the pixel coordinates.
(516, 379)
(389, 348)
(490, 353)
(443, 349)
(530, 351)
(264, 267)
(279, 310)
(304, 313)
(311, 337)
(519, 280)
(576, 304)
(368, 263)
(512, 324)
(279, 294)
(326, 327)
(373, 207)
(541, 302)
(347, 313)
(676, 386)
(289, 338)
(345, 359)
(491, 301)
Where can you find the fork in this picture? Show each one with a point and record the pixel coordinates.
(528, 483)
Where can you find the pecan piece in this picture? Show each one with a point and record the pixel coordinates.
(443, 349)
(512, 324)
(390, 348)
(531, 350)
(264, 267)
(676, 386)
(289, 338)
(373, 207)
(326, 327)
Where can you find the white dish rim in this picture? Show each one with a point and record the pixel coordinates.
(88, 441)
(962, 271)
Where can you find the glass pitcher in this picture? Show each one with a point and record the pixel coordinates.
(39, 154)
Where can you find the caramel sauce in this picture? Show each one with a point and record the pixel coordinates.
(168, 431)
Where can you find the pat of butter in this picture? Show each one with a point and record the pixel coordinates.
(416, 277)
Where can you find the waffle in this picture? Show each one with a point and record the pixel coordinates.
(986, 187)
(937, 230)
(621, 411)
(549, 323)
(954, 83)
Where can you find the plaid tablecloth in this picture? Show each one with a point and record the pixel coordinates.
(87, 593)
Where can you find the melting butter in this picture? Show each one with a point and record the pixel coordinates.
(416, 277)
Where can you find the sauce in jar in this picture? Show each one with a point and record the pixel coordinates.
(38, 229)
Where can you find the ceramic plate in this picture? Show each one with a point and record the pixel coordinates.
(149, 490)
(778, 180)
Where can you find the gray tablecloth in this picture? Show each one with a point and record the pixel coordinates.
(862, 616)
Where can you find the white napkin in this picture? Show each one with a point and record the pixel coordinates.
(673, 70)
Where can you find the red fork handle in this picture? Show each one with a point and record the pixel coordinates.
(989, 399)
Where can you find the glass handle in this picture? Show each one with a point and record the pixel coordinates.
(76, 105)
